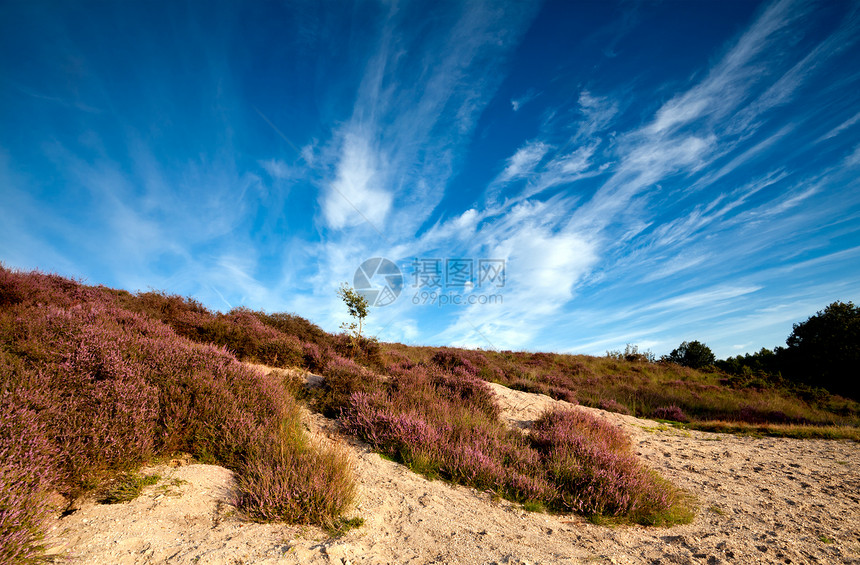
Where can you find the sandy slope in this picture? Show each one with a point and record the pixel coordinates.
(762, 501)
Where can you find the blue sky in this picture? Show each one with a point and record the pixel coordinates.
(644, 172)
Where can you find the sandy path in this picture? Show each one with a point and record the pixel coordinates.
(762, 501)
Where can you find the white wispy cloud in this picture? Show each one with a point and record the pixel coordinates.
(413, 111)
(563, 169)
(791, 201)
(517, 103)
(358, 194)
(852, 159)
(279, 170)
(675, 265)
(841, 127)
(784, 89)
(727, 83)
(541, 165)
(709, 297)
(524, 162)
(544, 262)
(598, 113)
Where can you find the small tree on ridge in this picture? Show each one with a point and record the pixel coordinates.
(358, 308)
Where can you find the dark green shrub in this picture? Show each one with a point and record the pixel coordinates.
(693, 354)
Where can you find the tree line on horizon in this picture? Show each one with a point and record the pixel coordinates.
(822, 351)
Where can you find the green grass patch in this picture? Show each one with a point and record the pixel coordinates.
(344, 525)
(127, 487)
(534, 506)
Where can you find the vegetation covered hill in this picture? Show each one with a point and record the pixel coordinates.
(95, 381)
(89, 388)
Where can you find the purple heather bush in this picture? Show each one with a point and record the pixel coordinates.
(89, 388)
(446, 440)
(445, 424)
(612, 405)
(343, 377)
(761, 415)
(27, 471)
(595, 472)
(563, 393)
(314, 357)
(395, 361)
(673, 413)
(450, 359)
(248, 338)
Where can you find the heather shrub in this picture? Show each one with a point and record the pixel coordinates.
(272, 339)
(289, 479)
(96, 402)
(27, 471)
(539, 359)
(672, 413)
(529, 385)
(596, 473)
(11, 291)
(759, 415)
(343, 377)
(449, 441)
(184, 315)
(244, 335)
(395, 360)
(449, 360)
(563, 393)
(297, 327)
(314, 358)
(464, 389)
(46, 289)
(362, 349)
(612, 405)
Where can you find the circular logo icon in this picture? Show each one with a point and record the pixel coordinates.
(379, 281)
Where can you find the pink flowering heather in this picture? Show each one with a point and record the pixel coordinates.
(27, 470)
(596, 473)
(673, 413)
(88, 387)
(445, 424)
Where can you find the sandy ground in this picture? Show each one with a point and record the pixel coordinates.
(760, 501)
